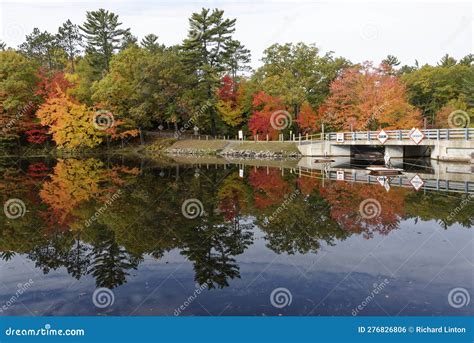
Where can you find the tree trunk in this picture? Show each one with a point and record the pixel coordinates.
(212, 114)
(142, 140)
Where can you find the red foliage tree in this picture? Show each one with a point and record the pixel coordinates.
(364, 97)
(269, 108)
(269, 187)
(308, 120)
(228, 91)
(348, 207)
(49, 84)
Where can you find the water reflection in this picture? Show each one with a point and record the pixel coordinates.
(101, 219)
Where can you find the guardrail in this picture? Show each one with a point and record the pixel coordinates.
(431, 134)
(398, 180)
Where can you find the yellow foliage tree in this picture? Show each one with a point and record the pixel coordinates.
(70, 123)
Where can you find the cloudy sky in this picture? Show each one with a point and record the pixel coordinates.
(358, 30)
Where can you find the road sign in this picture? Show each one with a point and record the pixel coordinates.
(241, 172)
(340, 137)
(241, 134)
(384, 181)
(416, 136)
(381, 180)
(340, 175)
(417, 182)
(382, 136)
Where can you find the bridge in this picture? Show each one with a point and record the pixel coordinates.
(441, 144)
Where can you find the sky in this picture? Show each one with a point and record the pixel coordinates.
(358, 30)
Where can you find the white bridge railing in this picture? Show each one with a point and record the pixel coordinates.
(431, 183)
(431, 134)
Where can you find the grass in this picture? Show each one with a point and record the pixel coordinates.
(213, 145)
(286, 148)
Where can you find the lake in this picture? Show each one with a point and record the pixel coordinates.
(207, 236)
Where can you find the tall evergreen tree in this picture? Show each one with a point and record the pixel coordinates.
(44, 48)
(447, 61)
(391, 61)
(103, 35)
(150, 43)
(70, 40)
(128, 40)
(209, 52)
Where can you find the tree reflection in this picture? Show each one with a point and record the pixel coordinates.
(295, 215)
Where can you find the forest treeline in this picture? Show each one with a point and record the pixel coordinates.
(92, 83)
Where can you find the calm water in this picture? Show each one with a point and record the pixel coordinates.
(226, 239)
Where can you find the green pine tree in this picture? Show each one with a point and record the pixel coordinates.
(103, 35)
(210, 52)
(70, 40)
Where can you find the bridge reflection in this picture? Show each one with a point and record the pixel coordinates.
(436, 175)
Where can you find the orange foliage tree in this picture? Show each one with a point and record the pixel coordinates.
(348, 207)
(308, 120)
(368, 98)
(261, 120)
(231, 105)
(270, 187)
(70, 123)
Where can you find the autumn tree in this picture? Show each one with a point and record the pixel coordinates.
(368, 98)
(298, 73)
(270, 117)
(144, 93)
(429, 88)
(455, 114)
(308, 120)
(17, 83)
(231, 105)
(70, 123)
